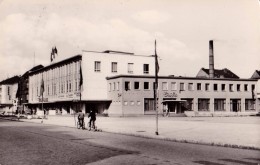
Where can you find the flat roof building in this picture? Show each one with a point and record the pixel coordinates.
(63, 92)
(178, 95)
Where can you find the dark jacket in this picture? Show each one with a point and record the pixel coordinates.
(92, 115)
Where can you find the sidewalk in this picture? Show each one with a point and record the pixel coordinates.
(237, 132)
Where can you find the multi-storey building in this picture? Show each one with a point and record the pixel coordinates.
(8, 92)
(195, 96)
(63, 92)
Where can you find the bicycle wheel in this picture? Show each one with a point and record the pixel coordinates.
(78, 125)
(83, 125)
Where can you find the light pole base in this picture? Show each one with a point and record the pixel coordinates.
(156, 133)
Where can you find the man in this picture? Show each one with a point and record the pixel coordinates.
(81, 118)
(92, 120)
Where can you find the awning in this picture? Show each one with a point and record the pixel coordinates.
(68, 101)
(178, 101)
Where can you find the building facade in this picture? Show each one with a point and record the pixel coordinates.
(8, 95)
(63, 92)
(195, 96)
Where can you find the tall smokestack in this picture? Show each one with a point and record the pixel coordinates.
(211, 60)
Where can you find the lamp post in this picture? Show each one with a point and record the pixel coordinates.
(156, 89)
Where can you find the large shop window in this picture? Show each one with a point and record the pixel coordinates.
(149, 104)
(220, 104)
(249, 105)
(203, 105)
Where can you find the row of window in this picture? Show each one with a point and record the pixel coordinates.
(114, 68)
(207, 87)
(204, 105)
(173, 86)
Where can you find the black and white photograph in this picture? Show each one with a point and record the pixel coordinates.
(130, 82)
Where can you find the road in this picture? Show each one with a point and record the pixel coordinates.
(30, 143)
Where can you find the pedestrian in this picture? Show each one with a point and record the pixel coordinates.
(81, 118)
(92, 120)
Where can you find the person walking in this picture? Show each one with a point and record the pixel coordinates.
(81, 118)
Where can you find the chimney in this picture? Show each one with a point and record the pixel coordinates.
(211, 60)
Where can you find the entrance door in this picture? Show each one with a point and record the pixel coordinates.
(172, 107)
(235, 105)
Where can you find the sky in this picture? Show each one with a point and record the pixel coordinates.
(182, 28)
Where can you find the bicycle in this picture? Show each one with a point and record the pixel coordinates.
(93, 125)
(81, 126)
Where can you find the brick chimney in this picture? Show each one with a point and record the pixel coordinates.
(211, 60)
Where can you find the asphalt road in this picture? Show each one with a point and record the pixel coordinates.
(29, 144)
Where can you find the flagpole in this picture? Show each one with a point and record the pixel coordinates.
(42, 86)
(156, 89)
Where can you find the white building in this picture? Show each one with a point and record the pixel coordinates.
(178, 95)
(62, 81)
(8, 90)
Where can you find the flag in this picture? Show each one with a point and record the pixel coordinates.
(81, 77)
(42, 88)
(156, 61)
(53, 52)
(18, 90)
(51, 57)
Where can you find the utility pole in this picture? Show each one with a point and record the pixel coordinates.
(156, 92)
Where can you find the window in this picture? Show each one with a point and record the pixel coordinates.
(238, 87)
(117, 86)
(114, 67)
(249, 104)
(149, 104)
(188, 104)
(199, 86)
(136, 85)
(114, 86)
(246, 87)
(219, 104)
(173, 86)
(146, 85)
(203, 104)
(8, 90)
(252, 87)
(146, 68)
(207, 87)
(181, 86)
(127, 85)
(97, 66)
(190, 87)
(215, 87)
(109, 87)
(231, 87)
(223, 87)
(164, 86)
(130, 68)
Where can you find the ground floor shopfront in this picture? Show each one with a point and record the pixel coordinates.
(67, 107)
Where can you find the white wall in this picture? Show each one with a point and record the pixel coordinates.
(95, 83)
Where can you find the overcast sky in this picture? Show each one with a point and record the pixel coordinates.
(182, 29)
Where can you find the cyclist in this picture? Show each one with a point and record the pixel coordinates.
(92, 120)
(81, 118)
